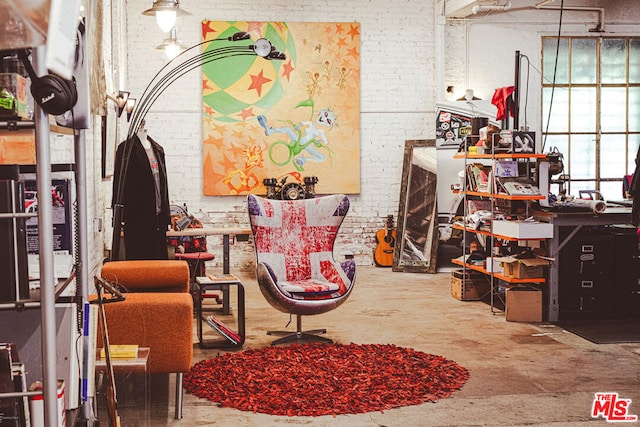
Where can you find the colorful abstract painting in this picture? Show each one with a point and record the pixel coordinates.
(294, 116)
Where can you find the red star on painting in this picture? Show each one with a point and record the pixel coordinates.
(209, 111)
(353, 32)
(247, 112)
(342, 42)
(287, 69)
(258, 81)
(206, 29)
(254, 27)
(205, 84)
(339, 29)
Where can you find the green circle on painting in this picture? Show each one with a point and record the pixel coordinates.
(238, 83)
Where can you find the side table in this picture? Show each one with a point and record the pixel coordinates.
(230, 338)
(128, 365)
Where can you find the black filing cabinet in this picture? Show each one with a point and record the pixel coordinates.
(626, 271)
(587, 281)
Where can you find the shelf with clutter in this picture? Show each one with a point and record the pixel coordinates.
(500, 239)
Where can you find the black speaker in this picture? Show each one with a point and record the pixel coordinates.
(54, 94)
(14, 275)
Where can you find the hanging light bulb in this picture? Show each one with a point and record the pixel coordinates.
(166, 12)
(171, 50)
(166, 20)
(172, 46)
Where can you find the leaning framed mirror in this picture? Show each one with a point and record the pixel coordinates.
(416, 246)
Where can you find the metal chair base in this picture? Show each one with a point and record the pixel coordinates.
(299, 334)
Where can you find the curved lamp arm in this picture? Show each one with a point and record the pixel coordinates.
(164, 78)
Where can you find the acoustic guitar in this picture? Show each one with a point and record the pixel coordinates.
(386, 240)
(112, 400)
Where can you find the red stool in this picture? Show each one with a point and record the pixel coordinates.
(196, 262)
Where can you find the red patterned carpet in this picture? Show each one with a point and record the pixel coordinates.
(324, 379)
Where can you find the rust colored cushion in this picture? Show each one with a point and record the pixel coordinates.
(148, 275)
(161, 321)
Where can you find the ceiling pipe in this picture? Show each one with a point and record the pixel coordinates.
(600, 10)
(487, 7)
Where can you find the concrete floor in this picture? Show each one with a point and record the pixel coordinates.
(520, 373)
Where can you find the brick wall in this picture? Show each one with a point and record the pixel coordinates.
(397, 103)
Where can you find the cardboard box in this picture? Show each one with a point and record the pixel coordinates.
(471, 287)
(18, 147)
(523, 229)
(523, 268)
(493, 265)
(524, 304)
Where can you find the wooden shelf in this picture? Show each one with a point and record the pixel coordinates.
(500, 156)
(498, 275)
(11, 125)
(502, 196)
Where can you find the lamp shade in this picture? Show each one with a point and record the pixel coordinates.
(166, 12)
(172, 46)
(166, 19)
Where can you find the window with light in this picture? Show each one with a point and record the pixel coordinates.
(591, 109)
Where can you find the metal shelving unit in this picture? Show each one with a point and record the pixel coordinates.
(492, 195)
(49, 286)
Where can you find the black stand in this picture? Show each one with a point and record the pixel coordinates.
(231, 338)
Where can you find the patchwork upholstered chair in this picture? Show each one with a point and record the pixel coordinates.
(295, 267)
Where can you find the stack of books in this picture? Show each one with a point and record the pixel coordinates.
(223, 330)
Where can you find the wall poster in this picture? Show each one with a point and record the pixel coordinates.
(284, 119)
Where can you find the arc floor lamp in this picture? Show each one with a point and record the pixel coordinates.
(239, 44)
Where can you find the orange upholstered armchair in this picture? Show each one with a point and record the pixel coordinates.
(157, 313)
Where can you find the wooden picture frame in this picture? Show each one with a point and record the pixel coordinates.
(109, 142)
(416, 247)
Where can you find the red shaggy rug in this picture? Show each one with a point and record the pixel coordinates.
(324, 379)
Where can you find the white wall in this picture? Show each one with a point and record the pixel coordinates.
(480, 49)
(409, 55)
(397, 103)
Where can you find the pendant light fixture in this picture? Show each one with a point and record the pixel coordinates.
(166, 12)
(172, 45)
